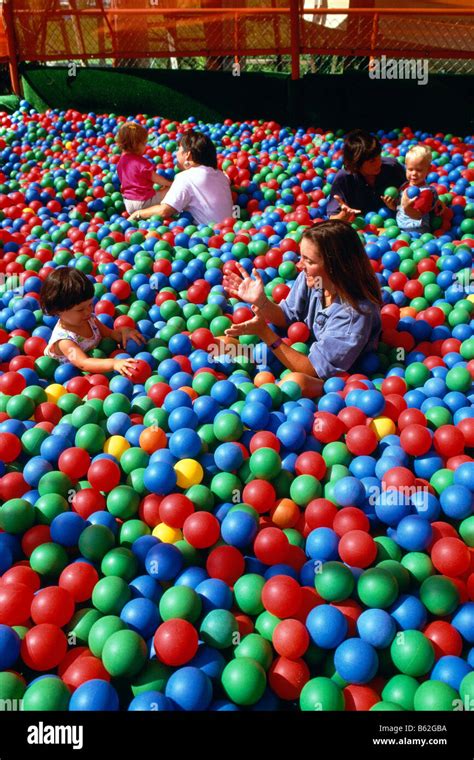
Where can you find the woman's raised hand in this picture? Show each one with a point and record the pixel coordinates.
(244, 287)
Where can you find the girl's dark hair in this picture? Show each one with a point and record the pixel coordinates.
(345, 262)
(201, 147)
(65, 288)
(359, 146)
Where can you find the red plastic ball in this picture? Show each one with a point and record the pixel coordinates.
(415, 440)
(298, 332)
(449, 441)
(140, 372)
(43, 647)
(85, 668)
(359, 698)
(52, 604)
(22, 574)
(174, 509)
(311, 463)
(445, 638)
(320, 513)
(466, 426)
(12, 383)
(327, 427)
(291, 639)
(79, 580)
(350, 519)
(394, 384)
(271, 546)
(15, 603)
(48, 412)
(351, 416)
(176, 642)
(74, 462)
(411, 417)
(104, 475)
(281, 595)
(398, 477)
(226, 563)
(260, 494)
(34, 537)
(287, 677)
(88, 501)
(357, 548)
(13, 486)
(10, 447)
(361, 440)
(201, 530)
(451, 556)
(149, 510)
(78, 385)
(264, 439)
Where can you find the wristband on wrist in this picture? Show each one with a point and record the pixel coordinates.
(276, 344)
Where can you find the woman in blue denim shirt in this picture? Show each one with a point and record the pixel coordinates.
(336, 295)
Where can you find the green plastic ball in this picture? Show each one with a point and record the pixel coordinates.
(439, 595)
(124, 654)
(180, 602)
(248, 593)
(110, 595)
(102, 630)
(256, 648)
(412, 653)
(219, 629)
(321, 695)
(49, 694)
(334, 581)
(377, 587)
(244, 681)
(435, 695)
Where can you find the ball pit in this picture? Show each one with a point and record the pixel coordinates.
(200, 537)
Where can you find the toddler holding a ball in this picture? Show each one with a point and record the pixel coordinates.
(68, 294)
(418, 199)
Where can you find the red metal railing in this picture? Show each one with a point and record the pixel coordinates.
(58, 30)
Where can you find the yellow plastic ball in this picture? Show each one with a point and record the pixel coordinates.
(189, 473)
(471, 298)
(54, 392)
(383, 426)
(116, 445)
(68, 145)
(167, 534)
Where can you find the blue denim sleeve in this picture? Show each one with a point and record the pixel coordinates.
(340, 343)
(294, 306)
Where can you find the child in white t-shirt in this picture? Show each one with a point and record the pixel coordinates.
(201, 188)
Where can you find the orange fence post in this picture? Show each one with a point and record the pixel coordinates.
(373, 38)
(295, 38)
(11, 46)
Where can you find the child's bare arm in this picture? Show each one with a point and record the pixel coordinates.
(76, 356)
(159, 180)
(121, 334)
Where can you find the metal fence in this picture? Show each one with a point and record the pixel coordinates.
(283, 36)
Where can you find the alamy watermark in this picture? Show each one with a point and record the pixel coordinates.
(230, 353)
(11, 283)
(399, 68)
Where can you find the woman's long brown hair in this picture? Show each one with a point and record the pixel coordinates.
(345, 262)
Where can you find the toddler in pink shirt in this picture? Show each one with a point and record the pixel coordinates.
(137, 175)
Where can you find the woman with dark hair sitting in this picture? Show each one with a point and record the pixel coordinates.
(201, 188)
(360, 186)
(337, 296)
